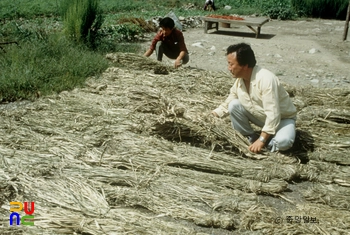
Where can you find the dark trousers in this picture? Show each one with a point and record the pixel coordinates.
(170, 52)
(209, 3)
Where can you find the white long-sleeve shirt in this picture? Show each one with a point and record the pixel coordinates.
(267, 100)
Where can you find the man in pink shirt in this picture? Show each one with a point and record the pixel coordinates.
(169, 41)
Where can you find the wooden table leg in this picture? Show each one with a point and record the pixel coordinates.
(252, 29)
(258, 32)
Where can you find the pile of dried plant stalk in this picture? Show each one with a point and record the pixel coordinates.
(136, 151)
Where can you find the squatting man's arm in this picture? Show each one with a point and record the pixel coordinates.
(178, 61)
(148, 52)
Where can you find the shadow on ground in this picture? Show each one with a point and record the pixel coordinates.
(242, 34)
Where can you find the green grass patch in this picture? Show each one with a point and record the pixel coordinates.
(46, 67)
(13, 9)
(328, 9)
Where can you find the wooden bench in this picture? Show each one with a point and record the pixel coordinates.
(213, 23)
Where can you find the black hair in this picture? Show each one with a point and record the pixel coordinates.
(167, 22)
(244, 54)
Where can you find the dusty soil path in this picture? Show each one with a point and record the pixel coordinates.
(302, 53)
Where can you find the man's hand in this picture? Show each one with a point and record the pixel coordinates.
(178, 63)
(148, 53)
(256, 146)
(215, 114)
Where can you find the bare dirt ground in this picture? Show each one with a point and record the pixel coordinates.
(302, 53)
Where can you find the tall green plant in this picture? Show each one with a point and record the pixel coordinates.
(82, 19)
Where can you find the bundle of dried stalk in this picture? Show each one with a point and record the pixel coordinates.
(137, 151)
(338, 155)
(326, 173)
(332, 195)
